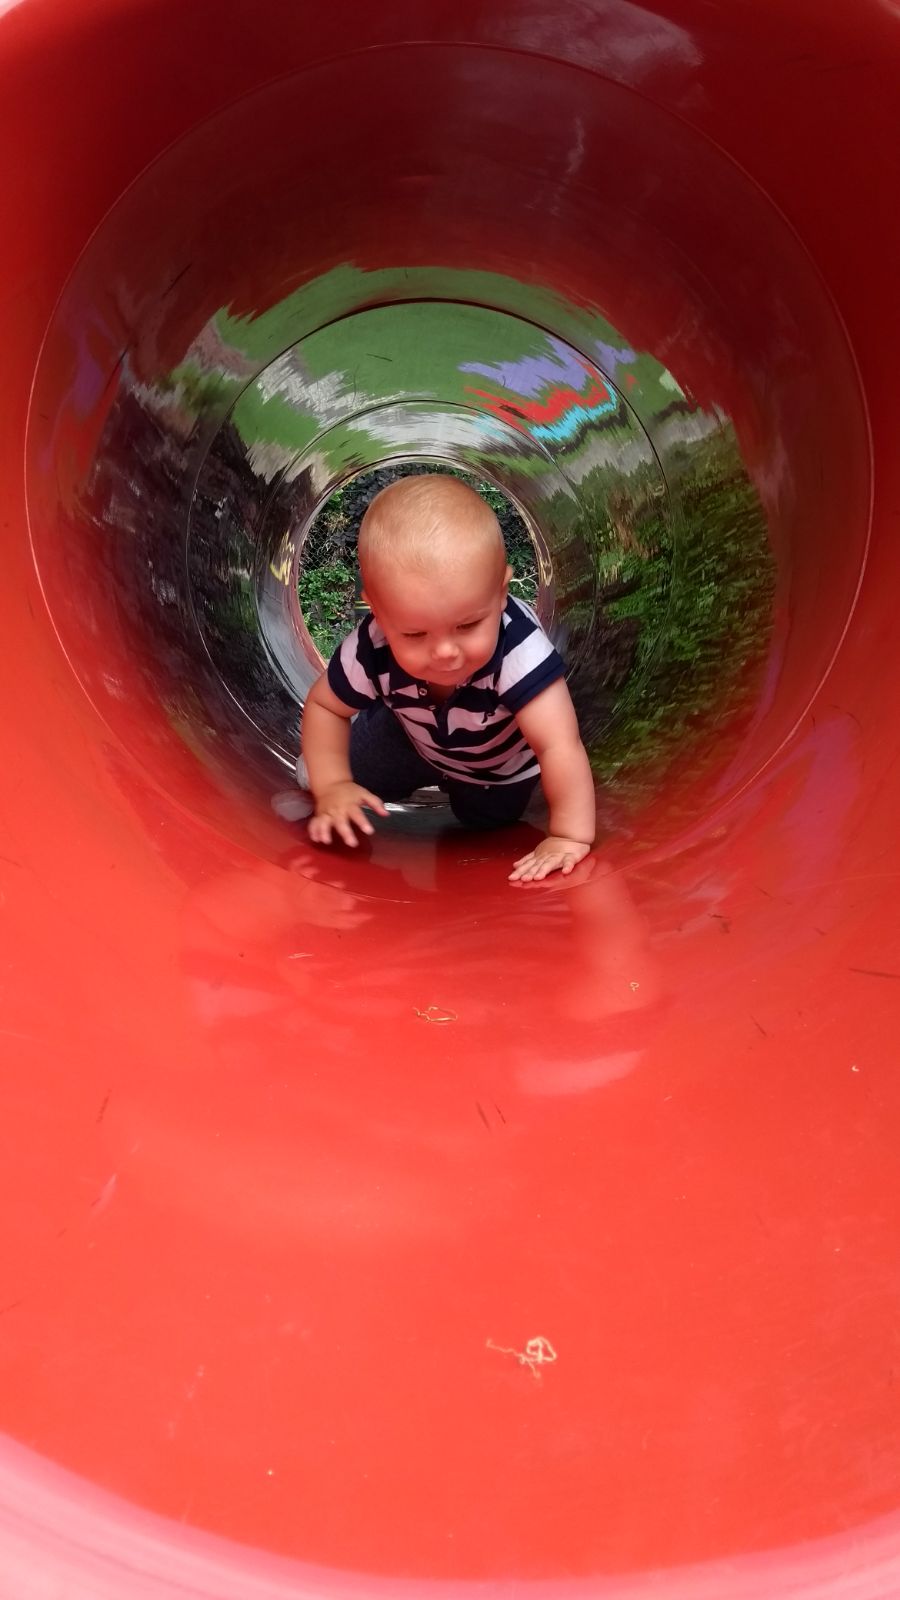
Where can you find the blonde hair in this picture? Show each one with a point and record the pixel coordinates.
(427, 522)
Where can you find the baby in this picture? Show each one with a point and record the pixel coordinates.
(455, 683)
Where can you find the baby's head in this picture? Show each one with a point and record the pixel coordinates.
(435, 574)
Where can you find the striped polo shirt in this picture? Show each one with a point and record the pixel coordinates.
(472, 736)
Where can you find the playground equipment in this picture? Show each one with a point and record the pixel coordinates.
(370, 1227)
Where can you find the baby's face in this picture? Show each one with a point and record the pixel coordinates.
(443, 626)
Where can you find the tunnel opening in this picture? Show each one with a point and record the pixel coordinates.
(219, 395)
(328, 583)
(302, 1160)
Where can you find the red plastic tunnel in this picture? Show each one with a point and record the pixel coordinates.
(370, 1227)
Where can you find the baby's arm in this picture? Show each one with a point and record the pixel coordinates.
(326, 751)
(549, 724)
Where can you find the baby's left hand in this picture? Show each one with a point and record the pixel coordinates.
(551, 855)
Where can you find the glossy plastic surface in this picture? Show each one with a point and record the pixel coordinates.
(369, 1227)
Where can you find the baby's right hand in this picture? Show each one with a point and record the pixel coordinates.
(340, 807)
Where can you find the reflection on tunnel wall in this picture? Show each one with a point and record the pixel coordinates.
(656, 579)
(239, 337)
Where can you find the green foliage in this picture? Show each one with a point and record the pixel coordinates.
(326, 599)
(702, 603)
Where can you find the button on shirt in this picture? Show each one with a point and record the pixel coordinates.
(472, 736)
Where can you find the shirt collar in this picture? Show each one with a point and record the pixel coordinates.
(398, 677)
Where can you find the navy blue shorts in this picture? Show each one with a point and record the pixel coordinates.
(383, 759)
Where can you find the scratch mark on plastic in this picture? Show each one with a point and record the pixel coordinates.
(117, 368)
(106, 1194)
(176, 280)
(538, 1353)
(763, 1225)
(436, 1014)
(851, 714)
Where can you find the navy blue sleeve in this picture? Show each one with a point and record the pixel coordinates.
(530, 662)
(540, 678)
(350, 671)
